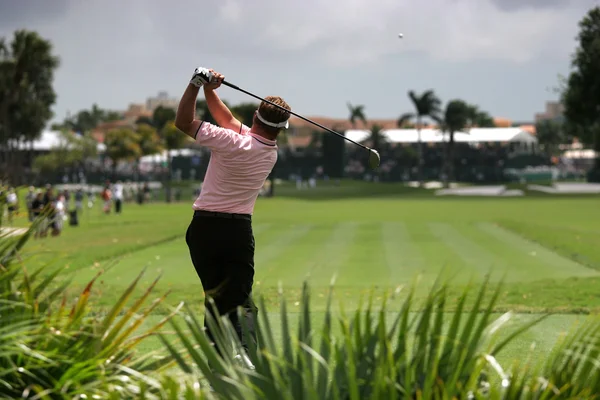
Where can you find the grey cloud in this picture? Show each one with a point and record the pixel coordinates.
(118, 51)
(515, 5)
(31, 11)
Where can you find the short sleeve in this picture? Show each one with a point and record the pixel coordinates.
(244, 130)
(214, 137)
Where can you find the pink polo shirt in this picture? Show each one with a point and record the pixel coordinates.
(239, 166)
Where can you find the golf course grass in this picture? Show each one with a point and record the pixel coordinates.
(380, 237)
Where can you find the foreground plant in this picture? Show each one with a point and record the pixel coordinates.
(427, 354)
(571, 371)
(51, 350)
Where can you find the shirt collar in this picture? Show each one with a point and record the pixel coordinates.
(263, 140)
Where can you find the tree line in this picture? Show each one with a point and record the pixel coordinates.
(27, 95)
(148, 136)
(457, 116)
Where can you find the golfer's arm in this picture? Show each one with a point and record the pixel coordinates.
(220, 112)
(185, 119)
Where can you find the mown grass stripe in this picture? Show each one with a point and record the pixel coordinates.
(517, 266)
(402, 254)
(436, 256)
(333, 256)
(268, 250)
(475, 260)
(299, 259)
(548, 259)
(367, 266)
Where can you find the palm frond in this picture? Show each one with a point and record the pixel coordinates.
(52, 350)
(404, 118)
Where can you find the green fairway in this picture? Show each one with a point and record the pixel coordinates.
(363, 242)
(546, 250)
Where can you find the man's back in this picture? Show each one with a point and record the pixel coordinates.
(239, 165)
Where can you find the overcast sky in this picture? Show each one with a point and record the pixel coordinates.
(501, 54)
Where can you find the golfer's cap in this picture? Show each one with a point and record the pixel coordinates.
(285, 124)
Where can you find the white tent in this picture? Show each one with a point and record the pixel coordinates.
(580, 154)
(162, 157)
(474, 135)
(50, 140)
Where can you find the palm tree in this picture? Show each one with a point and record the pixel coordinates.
(122, 144)
(27, 65)
(455, 119)
(97, 114)
(149, 141)
(479, 118)
(376, 137)
(426, 105)
(283, 143)
(172, 139)
(357, 113)
(550, 135)
(161, 116)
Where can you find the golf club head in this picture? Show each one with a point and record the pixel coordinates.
(374, 159)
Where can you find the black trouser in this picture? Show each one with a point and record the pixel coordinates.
(222, 251)
(118, 203)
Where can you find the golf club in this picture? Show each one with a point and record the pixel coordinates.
(374, 158)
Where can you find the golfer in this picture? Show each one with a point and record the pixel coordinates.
(220, 237)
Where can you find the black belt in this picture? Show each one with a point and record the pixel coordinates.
(203, 213)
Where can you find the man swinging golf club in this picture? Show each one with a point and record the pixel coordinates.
(220, 237)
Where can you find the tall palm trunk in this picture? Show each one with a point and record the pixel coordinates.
(451, 164)
(272, 187)
(169, 176)
(420, 153)
(449, 161)
(138, 168)
(596, 147)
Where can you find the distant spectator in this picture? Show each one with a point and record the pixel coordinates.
(146, 192)
(79, 200)
(67, 196)
(37, 206)
(12, 203)
(91, 198)
(48, 195)
(106, 197)
(29, 202)
(118, 196)
(59, 215)
(140, 195)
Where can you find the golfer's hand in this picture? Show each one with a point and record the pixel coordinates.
(201, 77)
(215, 82)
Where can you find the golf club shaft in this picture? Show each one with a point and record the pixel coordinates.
(293, 113)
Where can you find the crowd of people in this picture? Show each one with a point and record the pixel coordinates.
(48, 204)
(52, 207)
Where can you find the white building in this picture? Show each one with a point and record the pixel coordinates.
(515, 136)
(162, 99)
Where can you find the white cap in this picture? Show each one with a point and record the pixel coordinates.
(285, 124)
